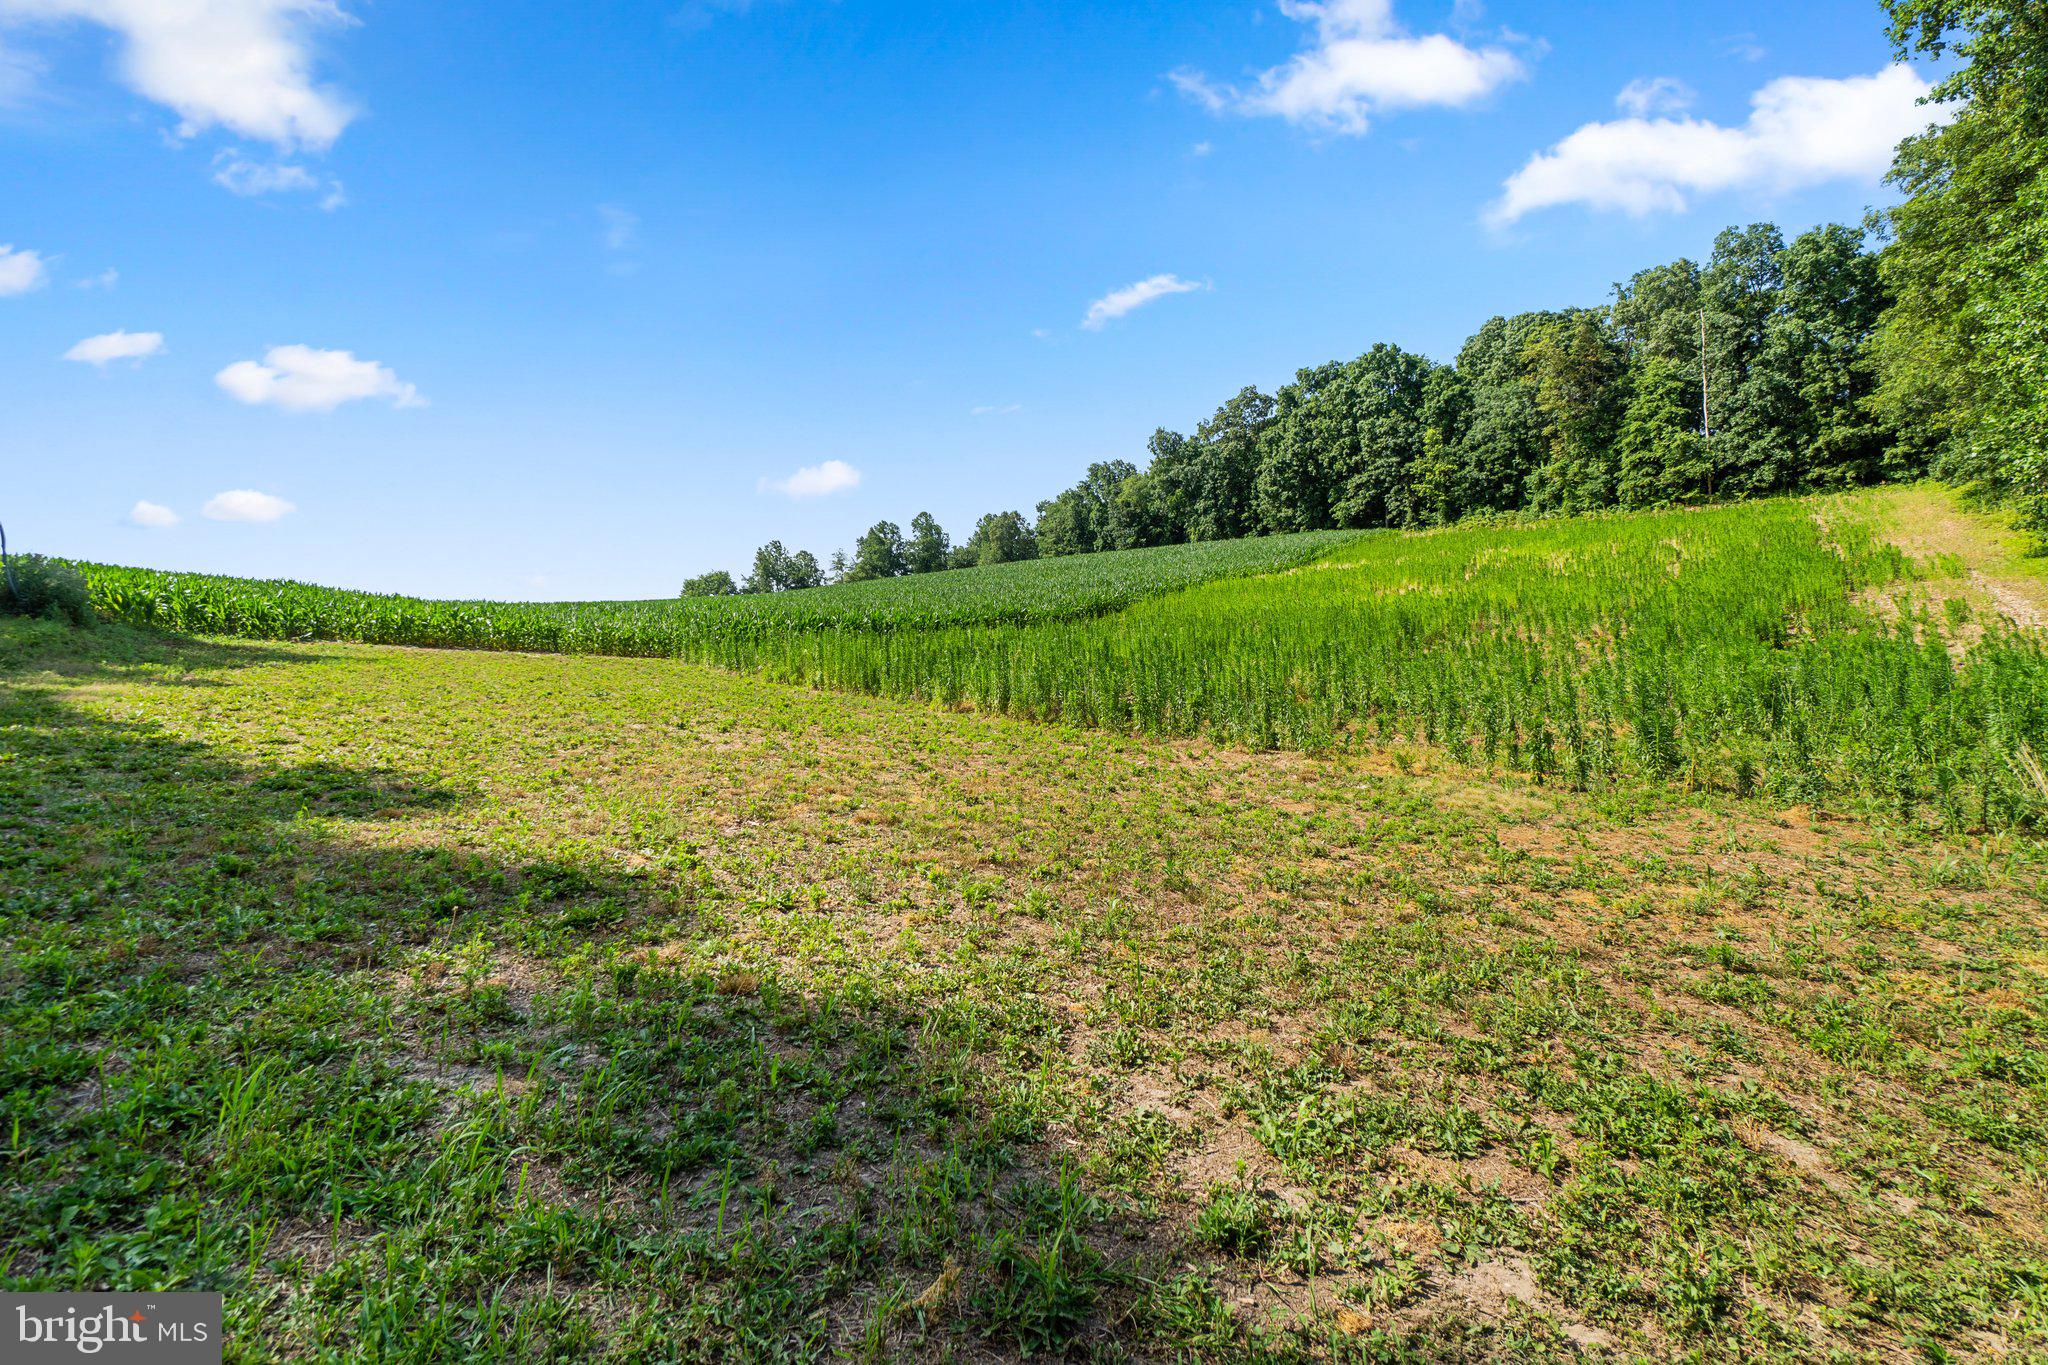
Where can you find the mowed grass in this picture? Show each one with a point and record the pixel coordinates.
(708, 630)
(465, 1006)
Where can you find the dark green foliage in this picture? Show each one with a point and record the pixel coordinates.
(717, 583)
(1834, 299)
(1659, 453)
(1094, 514)
(1217, 471)
(804, 572)
(777, 570)
(1294, 491)
(1380, 399)
(1759, 434)
(1066, 525)
(35, 586)
(999, 538)
(878, 554)
(1579, 370)
(1963, 355)
(1503, 443)
(928, 550)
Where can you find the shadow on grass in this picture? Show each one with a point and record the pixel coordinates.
(30, 647)
(416, 1102)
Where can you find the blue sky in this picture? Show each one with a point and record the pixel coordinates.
(606, 277)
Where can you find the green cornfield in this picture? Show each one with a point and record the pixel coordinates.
(1728, 648)
(719, 630)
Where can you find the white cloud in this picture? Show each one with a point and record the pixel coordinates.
(995, 409)
(303, 379)
(156, 515)
(1801, 131)
(1202, 149)
(237, 174)
(112, 346)
(21, 271)
(245, 504)
(1118, 302)
(1647, 95)
(244, 65)
(1362, 63)
(814, 481)
(106, 279)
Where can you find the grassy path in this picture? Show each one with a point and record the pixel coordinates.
(443, 1005)
(1971, 556)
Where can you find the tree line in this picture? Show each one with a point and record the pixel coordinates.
(883, 551)
(1747, 376)
(1844, 356)
(1750, 375)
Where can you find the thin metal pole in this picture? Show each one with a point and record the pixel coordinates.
(1706, 412)
(7, 568)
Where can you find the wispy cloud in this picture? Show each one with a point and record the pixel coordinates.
(1360, 63)
(995, 409)
(304, 379)
(108, 347)
(1648, 95)
(237, 174)
(1121, 302)
(106, 279)
(1745, 48)
(814, 481)
(1801, 131)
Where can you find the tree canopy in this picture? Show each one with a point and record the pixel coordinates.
(1962, 353)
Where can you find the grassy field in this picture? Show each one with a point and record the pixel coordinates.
(1735, 648)
(719, 630)
(1783, 647)
(439, 1004)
